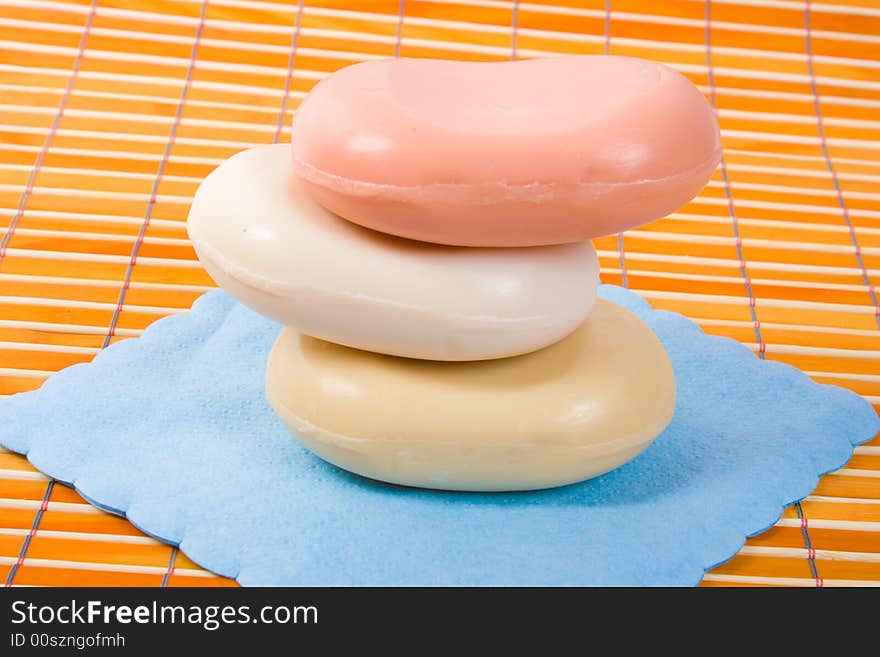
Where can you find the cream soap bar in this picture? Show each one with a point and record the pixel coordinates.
(574, 410)
(540, 151)
(266, 242)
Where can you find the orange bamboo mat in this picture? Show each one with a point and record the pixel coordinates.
(113, 111)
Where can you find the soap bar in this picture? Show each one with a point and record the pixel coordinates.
(540, 151)
(574, 410)
(266, 242)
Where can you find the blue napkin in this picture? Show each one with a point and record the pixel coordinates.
(173, 431)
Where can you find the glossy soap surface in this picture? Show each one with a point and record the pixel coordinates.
(576, 409)
(267, 243)
(538, 151)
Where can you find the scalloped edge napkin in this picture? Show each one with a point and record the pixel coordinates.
(172, 430)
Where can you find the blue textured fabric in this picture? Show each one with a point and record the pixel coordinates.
(173, 431)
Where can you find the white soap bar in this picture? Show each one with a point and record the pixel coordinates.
(574, 410)
(266, 242)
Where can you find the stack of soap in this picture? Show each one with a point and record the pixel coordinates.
(425, 242)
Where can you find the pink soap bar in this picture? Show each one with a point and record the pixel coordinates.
(525, 153)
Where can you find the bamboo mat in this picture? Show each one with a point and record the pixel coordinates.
(113, 111)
